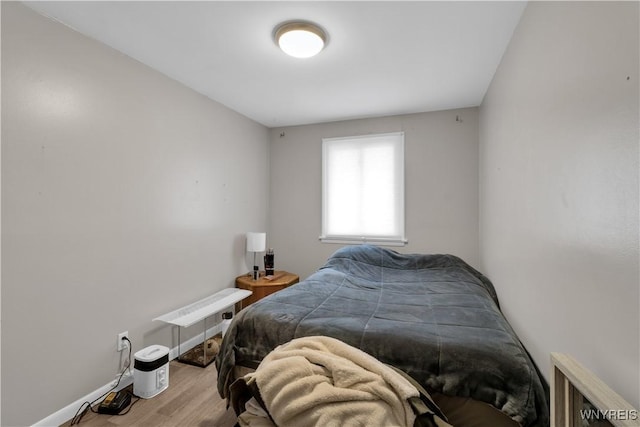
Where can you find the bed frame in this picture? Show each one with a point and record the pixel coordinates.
(572, 384)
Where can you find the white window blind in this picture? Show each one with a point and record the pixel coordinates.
(363, 189)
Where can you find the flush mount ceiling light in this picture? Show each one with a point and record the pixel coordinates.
(300, 39)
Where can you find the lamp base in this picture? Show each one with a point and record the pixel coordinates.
(256, 272)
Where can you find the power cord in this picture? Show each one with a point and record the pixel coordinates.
(89, 405)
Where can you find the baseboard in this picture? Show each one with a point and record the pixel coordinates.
(68, 412)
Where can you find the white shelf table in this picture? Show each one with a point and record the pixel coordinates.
(199, 311)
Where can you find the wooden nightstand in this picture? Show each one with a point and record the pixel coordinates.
(264, 286)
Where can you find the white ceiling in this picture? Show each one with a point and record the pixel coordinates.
(383, 58)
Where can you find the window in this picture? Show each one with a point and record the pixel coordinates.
(363, 189)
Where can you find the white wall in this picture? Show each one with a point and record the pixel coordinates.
(124, 195)
(559, 131)
(441, 172)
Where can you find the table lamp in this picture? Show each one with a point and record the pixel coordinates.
(256, 242)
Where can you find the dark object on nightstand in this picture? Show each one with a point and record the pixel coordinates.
(269, 263)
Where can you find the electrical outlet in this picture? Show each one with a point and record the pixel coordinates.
(122, 343)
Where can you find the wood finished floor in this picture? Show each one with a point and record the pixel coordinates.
(191, 400)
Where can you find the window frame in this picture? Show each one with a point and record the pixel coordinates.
(399, 167)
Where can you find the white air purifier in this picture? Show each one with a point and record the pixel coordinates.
(151, 371)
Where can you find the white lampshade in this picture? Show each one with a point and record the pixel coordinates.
(256, 242)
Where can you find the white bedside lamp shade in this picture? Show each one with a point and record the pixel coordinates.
(256, 242)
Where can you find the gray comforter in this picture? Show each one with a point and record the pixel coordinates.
(432, 316)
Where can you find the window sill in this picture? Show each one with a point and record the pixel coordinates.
(351, 240)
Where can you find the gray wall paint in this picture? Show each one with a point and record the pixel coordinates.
(559, 186)
(124, 195)
(441, 190)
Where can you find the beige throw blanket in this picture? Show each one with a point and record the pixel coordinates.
(323, 382)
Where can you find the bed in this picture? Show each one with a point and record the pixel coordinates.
(432, 316)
